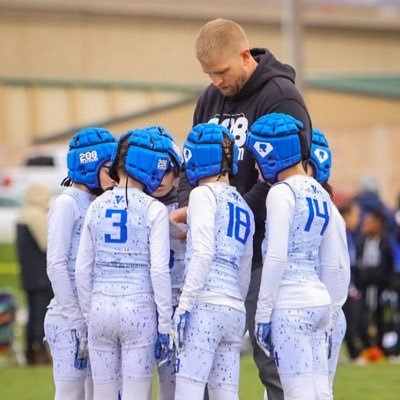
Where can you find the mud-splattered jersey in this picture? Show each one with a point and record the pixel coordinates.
(219, 247)
(124, 250)
(299, 238)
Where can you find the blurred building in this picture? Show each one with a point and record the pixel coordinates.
(125, 64)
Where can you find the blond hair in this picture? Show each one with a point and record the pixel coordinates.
(220, 37)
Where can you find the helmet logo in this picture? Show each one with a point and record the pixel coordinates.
(321, 155)
(187, 154)
(162, 164)
(263, 148)
(88, 157)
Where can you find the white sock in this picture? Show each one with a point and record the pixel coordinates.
(138, 390)
(188, 389)
(70, 390)
(106, 391)
(89, 388)
(219, 394)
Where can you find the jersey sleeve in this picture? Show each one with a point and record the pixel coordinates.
(159, 264)
(244, 273)
(334, 260)
(84, 267)
(280, 208)
(61, 221)
(201, 220)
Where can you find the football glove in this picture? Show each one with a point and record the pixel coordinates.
(262, 334)
(164, 349)
(80, 336)
(181, 320)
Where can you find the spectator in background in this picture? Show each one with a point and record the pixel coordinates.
(395, 281)
(31, 241)
(374, 266)
(368, 194)
(396, 244)
(356, 334)
(369, 199)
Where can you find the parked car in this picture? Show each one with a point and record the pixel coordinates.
(45, 164)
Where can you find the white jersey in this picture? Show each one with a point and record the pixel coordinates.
(125, 251)
(65, 221)
(177, 257)
(219, 247)
(299, 236)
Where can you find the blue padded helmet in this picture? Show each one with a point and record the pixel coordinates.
(173, 149)
(89, 149)
(274, 141)
(321, 156)
(147, 157)
(203, 152)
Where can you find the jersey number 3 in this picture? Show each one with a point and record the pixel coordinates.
(119, 219)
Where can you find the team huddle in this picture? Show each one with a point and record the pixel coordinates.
(152, 254)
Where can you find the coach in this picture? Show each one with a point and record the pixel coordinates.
(246, 84)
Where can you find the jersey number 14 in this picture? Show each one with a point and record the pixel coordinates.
(314, 210)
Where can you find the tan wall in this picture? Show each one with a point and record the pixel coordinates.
(364, 133)
(95, 47)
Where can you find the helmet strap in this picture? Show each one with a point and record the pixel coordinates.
(66, 182)
(126, 191)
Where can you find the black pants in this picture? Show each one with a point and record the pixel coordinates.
(267, 370)
(37, 307)
(356, 336)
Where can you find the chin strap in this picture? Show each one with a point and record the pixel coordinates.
(126, 191)
(66, 182)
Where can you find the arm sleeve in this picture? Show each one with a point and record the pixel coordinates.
(331, 275)
(84, 268)
(159, 264)
(336, 278)
(245, 266)
(62, 218)
(202, 231)
(280, 208)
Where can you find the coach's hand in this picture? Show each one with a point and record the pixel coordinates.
(262, 334)
(80, 336)
(164, 349)
(177, 218)
(179, 215)
(181, 320)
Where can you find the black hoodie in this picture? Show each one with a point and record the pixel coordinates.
(269, 89)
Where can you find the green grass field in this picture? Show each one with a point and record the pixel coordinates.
(378, 381)
(375, 381)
